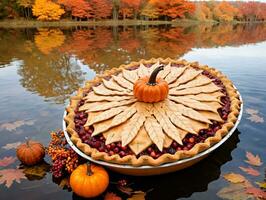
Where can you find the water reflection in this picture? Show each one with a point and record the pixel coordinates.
(56, 77)
(47, 52)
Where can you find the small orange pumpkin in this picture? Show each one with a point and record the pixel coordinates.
(150, 89)
(31, 152)
(89, 180)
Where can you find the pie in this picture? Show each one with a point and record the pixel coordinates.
(108, 121)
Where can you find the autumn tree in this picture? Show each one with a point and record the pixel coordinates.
(129, 8)
(203, 12)
(173, 8)
(253, 11)
(26, 7)
(46, 10)
(79, 9)
(225, 11)
(149, 11)
(101, 9)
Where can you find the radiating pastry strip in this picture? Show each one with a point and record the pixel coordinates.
(141, 142)
(90, 105)
(214, 105)
(123, 82)
(130, 75)
(196, 90)
(114, 134)
(212, 116)
(212, 97)
(167, 141)
(175, 73)
(102, 90)
(91, 117)
(92, 97)
(167, 125)
(198, 81)
(192, 103)
(105, 115)
(180, 121)
(118, 119)
(112, 85)
(132, 128)
(143, 71)
(188, 75)
(155, 132)
(189, 112)
(93, 107)
(167, 69)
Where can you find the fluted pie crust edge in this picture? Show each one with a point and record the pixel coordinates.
(164, 158)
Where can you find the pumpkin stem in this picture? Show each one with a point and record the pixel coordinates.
(152, 80)
(27, 141)
(89, 172)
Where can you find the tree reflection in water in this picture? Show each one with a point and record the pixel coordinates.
(49, 54)
(55, 78)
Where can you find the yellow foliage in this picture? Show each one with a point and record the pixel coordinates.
(46, 10)
(46, 40)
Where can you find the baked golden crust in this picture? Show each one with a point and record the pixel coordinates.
(164, 158)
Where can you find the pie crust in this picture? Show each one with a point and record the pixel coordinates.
(166, 157)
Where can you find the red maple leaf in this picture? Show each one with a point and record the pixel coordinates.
(256, 192)
(7, 161)
(8, 176)
(250, 171)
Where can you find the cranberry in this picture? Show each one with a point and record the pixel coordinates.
(171, 150)
(116, 150)
(122, 153)
(108, 146)
(111, 153)
(150, 150)
(153, 154)
(112, 145)
(191, 140)
(174, 144)
(124, 148)
(101, 149)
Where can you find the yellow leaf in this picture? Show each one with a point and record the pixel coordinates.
(261, 184)
(234, 178)
(138, 195)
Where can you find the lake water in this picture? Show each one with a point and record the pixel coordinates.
(41, 68)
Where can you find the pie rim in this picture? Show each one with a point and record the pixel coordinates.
(166, 157)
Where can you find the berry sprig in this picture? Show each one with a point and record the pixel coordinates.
(64, 158)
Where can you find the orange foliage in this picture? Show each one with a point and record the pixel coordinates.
(174, 8)
(46, 10)
(79, 8)
(101, 8)
(225, 11)
(46, 40)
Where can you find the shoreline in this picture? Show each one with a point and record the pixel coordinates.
(69, 23)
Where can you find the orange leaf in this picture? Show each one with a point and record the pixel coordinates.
(111, 196)
(256, 192)
(261, 184)
(138, 195)
(235, 178)
(7, 161)
(253, 160)
(8, 176)
(250, 171)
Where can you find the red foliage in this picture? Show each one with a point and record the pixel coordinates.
(101, 8)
